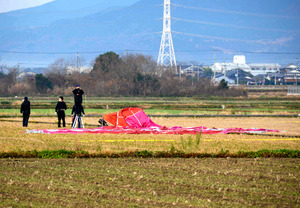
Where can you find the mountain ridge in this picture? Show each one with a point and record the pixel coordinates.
(200, 28)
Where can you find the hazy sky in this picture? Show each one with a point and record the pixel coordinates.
(9, 5)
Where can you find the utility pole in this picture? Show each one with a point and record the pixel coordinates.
(237, 73)
(193, 78)
(297, 70)
(225, 69)
(126, 56)
(166, 56)
(214, 64)
(180, 71)
(77, 55)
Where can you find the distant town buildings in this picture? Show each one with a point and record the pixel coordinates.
(239, 62)
(259, 73)
(240, 72)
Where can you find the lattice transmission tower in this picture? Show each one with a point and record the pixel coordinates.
(166, 56)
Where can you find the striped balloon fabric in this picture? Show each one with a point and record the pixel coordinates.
(135, 121)
(152, 130)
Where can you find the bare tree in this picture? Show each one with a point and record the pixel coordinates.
(8, 79)
(58, 67)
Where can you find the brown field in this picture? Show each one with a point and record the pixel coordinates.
(134, 182)
(12, 137)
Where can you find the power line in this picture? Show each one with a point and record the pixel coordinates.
(236, 12)
(36, 64)
(89, 9)
(62, 25)
(92, 38)
(143, 50)
(233, 26)
(219, 38)
(84, 10)
(55, 26)
(72, 52)
(250, 52)
(261, 42)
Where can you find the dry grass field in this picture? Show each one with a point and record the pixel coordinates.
(12, 137)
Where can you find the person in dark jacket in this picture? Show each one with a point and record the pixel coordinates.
(25, 110)
(77, 111)
(60, 109)
(78, 92)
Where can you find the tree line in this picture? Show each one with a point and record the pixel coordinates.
(112, 75)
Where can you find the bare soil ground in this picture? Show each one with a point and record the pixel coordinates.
(136, 182)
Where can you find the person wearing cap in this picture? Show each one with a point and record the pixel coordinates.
(60, 109)
(78, 92)
(25, 110)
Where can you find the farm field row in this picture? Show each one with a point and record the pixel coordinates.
(135, 182)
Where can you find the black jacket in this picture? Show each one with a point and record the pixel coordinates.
(60, 107)
(77, 110)
(25, 107)
(78, 95)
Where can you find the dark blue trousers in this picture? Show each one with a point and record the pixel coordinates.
(25, 120)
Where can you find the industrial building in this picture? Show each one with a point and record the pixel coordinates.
(239, 62)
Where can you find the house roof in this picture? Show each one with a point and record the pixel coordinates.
(290, 66)
(230, 66)
(264, 65)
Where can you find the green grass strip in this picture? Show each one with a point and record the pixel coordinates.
(280, 153)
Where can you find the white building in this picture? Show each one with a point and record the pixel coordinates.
(222, 67)
(189, 69)
(239, 62)
(291, 67)
(81, 69)
(239, 59)
(222, 76)
(264, 68)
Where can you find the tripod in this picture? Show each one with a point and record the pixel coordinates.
(77, 120)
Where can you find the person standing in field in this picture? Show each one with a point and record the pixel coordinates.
(78, 92)
(25, 110)
(77, 111)
(60, 109)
